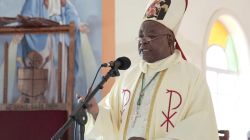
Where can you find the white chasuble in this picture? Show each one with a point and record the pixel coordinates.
(179, 105)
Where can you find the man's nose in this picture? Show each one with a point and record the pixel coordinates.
(143, 41)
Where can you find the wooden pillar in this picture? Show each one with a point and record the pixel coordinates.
(70, 75)
(6, 65)
(71, 66)
(108, 38)
(59, 74)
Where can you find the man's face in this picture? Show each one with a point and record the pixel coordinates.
(63, 3)
(46, 3)
(156, 41)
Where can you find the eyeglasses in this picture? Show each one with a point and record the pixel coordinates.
(148, 39)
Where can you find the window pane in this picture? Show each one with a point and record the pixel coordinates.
(227, 83)
(216, 57)
(212, 81)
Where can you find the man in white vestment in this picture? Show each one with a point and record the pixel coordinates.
(164, 97)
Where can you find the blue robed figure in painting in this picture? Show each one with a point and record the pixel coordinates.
(64, 12)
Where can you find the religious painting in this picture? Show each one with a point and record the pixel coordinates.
(40, 51)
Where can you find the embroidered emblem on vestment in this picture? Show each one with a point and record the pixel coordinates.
(125, 99)
(171, 107)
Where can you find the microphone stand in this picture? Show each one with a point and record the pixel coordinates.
(79, 115)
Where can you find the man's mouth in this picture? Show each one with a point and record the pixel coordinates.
(143, 50)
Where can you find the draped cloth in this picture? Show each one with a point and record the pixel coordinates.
(88, 59)
(44, 44)
(54, 7)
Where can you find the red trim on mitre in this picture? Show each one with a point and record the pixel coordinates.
(186, 5)
(177, 46)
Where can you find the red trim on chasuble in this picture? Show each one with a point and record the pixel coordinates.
(125, 99)
(186, 5)
(168, 116)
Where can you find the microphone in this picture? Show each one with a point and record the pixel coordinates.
(122, 63)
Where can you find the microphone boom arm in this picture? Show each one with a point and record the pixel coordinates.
(79, 115)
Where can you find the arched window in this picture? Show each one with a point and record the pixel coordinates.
(221, 60)
(226, 59)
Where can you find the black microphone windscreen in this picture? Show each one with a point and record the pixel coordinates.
(124, 63)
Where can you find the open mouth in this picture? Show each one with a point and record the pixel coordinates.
(143, 50)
